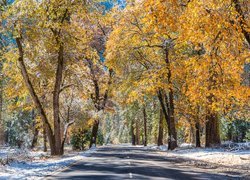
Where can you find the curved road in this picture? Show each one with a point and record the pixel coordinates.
(122, 162)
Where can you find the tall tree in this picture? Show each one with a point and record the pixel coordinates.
(56, 27)
(213, 43)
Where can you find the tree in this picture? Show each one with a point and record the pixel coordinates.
(214, 34)
(144, 54)
(3, 4)
(54, 26)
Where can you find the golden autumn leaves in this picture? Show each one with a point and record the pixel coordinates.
(192, 53)
(207, 51)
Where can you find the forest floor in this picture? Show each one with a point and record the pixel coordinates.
(229, 159)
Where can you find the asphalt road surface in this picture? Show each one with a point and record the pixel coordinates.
(121, 162)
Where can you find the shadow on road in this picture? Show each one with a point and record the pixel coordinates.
(133, 163)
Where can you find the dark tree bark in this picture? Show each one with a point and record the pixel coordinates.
(3, 4)
(45, 149)
(212, 130)
(137, 132)
(169, 100)
(192, 134)
(160, 131)
(2, 133)
(54, 138)
(172, 141)
(35, 131)
(35, 138)
(229, 132)
(94, 133)
(197, 135)
(98, 100)
(212, 120)
(133, 133)
(34, 96)
(56, 108)
(145, 126)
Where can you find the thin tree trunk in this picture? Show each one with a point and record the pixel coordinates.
(34, 96)
(2, 133)
(35, 131)
(192, 134)
(137, 132)
(133, 133)
(44, 139)
(94, 133)
(66, 128)
(99, 105)
(160, 132)
(145, 126)
(229, 132)
(172, 141)
(35, 138)
(197, 134)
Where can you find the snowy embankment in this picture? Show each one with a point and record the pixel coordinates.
(233, 157)
(23, 164)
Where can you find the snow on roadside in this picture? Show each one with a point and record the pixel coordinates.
(230, 154)
(217, 156)
(38, 165)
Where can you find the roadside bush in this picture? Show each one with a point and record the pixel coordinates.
(80, 139)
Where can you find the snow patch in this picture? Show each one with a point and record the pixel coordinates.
(229, 154)
(38, 164)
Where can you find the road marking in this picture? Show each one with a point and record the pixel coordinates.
(130, 175)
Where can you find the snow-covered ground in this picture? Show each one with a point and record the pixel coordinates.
(230, 156)
(23, 164)
(218, 156)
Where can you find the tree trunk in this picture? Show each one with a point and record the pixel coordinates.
(44, 139)
(56, 106)
(35, 138)
(197, 135)
(137, 132)
(212, 130)
(35, 130)
(172, 142)
(192, 134)
(35, 98)
(145, 126)
(160, 132)
(212, 120)
(66, 128)
(99, 105)
(94, 133)
(2, 133)
(133, 133)
(229, 132)
(172, 139)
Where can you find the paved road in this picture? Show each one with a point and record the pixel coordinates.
(118, 162)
